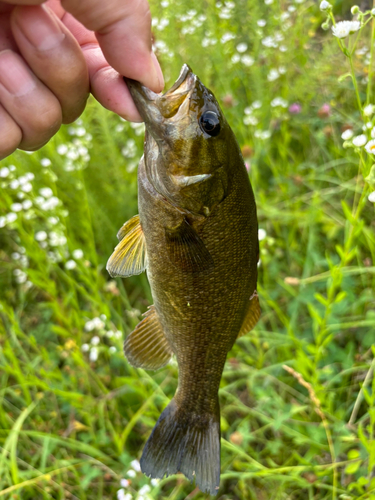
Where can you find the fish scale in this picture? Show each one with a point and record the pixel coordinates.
(197, 237)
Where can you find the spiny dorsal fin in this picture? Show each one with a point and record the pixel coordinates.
(186, 249)
(129, 257)
(146, 347)
(252, 315)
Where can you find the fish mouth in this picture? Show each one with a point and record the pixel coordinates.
(150, 104)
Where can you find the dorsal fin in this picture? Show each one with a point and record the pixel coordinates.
(130, 256)
(186, 249)
(252, 315)
(147, 347)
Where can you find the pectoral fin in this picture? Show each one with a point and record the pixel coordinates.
(186, 249)
(129, 257)
(252, 315)
(147, 347)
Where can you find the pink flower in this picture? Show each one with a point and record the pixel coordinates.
(247, 165)
(295, 108)
(324, 111)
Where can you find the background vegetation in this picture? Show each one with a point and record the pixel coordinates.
(298, 393)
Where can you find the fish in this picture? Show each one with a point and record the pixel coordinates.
(196, 236)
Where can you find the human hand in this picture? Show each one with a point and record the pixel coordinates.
(53, 55)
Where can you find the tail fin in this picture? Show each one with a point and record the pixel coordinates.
(187, 443)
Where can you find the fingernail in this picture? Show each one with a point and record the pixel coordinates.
(39, 27)
(159, 73)
(15, 76)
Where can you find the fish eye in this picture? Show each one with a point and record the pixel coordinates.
(210, 123)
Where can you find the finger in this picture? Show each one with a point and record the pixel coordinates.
(54, 56)
(10, 133)
(23, 2)
(123, 30)
(31, 105)
(107, 86)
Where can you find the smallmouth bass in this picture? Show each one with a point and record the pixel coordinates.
(197, 236)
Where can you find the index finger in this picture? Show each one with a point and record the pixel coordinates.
(123, 30)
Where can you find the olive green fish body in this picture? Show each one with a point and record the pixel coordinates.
(197, 237)
(202, 313)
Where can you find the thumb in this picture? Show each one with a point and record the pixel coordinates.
(123, 30)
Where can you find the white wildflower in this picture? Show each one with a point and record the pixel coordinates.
(11, 217)
(282, 70)
(27, 204)
(344, 28)
(261, 23)
(269, 41)
(94, 353)
(78, 253)
(155, 482)
(144, 490)
(359, 140)
(16, 256)
(53, 220)
(94, 324)
(347, 134)
(235, 58)
(45, 162)
(16, 207)
(369, 110)
(279, 101)
(262, 134)
(95, 340)
(131, 473)
(70, 264)
(3, 221)
(46, 192)
(256, 105)
(56, 239)
(4, 172)
(112, 349)
(41, 236)
(250, 120)
(247, 60)
(324, 6)
(50, 204)
(371, 197)
(370, 146)
(241, 47)
(26, 188)
(85, 348)
(20, 276)
(261, 234)
(226, 37)
(273, 75)
(136, 465)
(124, 483)
(268, 2)
(62, 149)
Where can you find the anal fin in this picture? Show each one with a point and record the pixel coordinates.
(186, 249)
(252, 315)
(147, 347)
(130, 256)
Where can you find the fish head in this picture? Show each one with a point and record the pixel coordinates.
(188, 143)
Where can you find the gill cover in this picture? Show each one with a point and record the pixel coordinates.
(182, 125)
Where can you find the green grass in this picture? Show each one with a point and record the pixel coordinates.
(298, 393)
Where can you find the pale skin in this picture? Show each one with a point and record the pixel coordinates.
(53, 53)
